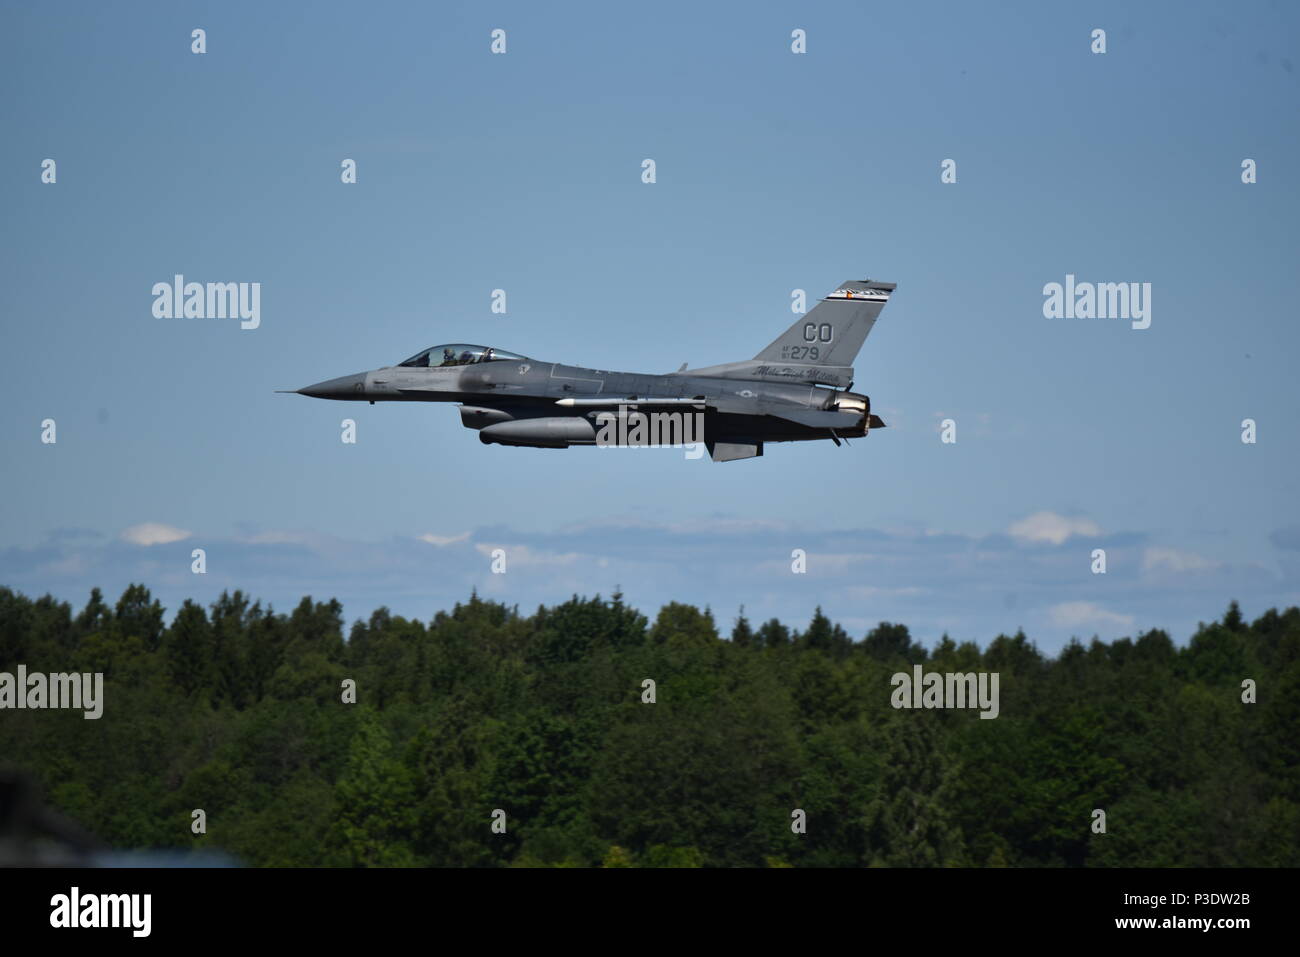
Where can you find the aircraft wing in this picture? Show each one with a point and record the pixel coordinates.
(813, 418)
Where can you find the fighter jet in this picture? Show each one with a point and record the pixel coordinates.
(796, 389)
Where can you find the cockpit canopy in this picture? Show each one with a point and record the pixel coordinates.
(457, 354)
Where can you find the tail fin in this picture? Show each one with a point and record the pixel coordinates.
(832, 332)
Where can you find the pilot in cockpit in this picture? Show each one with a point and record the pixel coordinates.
(448, 357)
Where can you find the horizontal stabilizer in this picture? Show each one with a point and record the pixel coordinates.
(818, 419)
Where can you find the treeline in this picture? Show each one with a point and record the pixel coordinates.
(239, 711)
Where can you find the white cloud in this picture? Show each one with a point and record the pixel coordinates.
(871, 591)
(1175, 561)
(524, 555)
(718, 525)
(966, 584)
(1076, 614)
(441, 540)
(823, 563)
(281, 538)
(1050, 527)
(74, 564)
(153, 533)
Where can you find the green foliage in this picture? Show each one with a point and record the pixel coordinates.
(907, 821)
(661, 855)
(375, 802)
(617, 857)
(238, 710)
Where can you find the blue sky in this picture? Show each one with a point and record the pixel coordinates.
(775, 171)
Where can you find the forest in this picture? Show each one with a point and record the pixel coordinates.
(244, 712)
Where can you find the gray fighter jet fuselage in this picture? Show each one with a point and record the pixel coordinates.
(797, 389)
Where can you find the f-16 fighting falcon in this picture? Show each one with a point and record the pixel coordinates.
(794, 390)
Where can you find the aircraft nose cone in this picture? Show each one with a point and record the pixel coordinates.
(344, 387)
